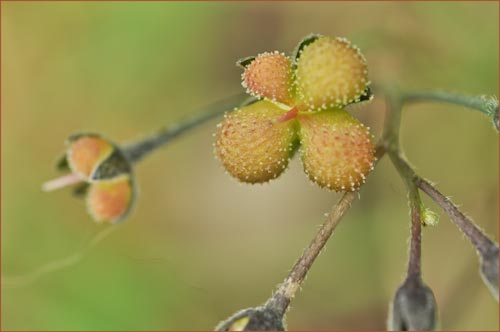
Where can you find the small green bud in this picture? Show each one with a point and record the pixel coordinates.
(253, 319)
(413, 308)
(429, 217)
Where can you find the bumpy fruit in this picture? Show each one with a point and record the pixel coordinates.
(255, 143)
(302, 99)
(86, 153)
(109, 201)
(103, 173)
(330, 73)
(269, 76)
(336, 149)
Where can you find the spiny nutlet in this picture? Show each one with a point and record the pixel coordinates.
(86, 152)
(106, 173)
(331, 72)
(269, 76)
(336, 149)
(110, 200)
(254, 143)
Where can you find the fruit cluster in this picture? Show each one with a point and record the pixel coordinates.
(106, 173)
(299, 105)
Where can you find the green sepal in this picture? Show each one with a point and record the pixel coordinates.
(62, 163)
(245, 62)
(303, 43)
(367, 95)
(81, 190)
(116, 164)
(249, 101)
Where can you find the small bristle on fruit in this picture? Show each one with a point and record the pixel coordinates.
(109, 201)
(269, 76)
(336, 149)
(252, 143)
(331, 72)
(85, 153)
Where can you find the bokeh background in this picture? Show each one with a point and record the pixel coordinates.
(199, 246)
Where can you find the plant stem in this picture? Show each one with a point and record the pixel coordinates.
(484, 105)
(480, 241)
(391, 139)
(138, 150)
(280, 300)
(286, 291)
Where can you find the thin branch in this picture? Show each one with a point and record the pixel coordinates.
(280, 300)
(140, 149)
(414, 270)
(391, 139)
(480, 241)
(286, 291)
(484, 104)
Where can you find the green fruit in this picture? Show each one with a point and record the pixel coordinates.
(336, 149)
(331, 72)
(254, 143)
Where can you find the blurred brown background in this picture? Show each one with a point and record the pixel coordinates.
(199, 246)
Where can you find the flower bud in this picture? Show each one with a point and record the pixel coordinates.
(253, 319)
(429, 217)
(269, 76)
(255, 143)
(413, 308)
(336, 149)
(330, 73)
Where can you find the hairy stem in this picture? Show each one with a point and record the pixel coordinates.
(286, 291)
(483, 104)
(280, 300)
(140, 149)
(480, 241)
(391, 139)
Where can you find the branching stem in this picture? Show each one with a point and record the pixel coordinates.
(413, 181)
(138, 150)
(480, 241)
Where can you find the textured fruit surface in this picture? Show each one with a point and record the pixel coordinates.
(254, 143)
(330, 73)
(85, 153)
(109, 201)
(269, 76)
(337, 151)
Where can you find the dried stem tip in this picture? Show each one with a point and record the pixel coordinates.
(413, 308)
(253, 319)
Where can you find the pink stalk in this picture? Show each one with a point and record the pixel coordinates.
(62, 181)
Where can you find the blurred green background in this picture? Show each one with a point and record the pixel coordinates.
(199, 246)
